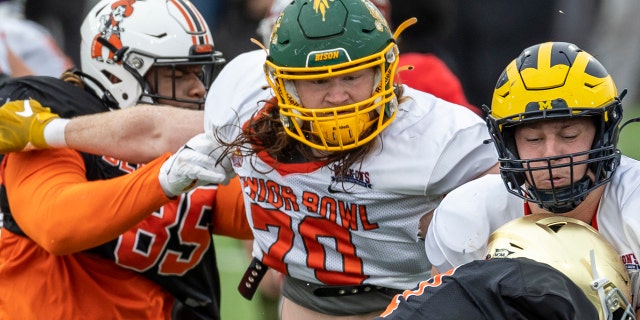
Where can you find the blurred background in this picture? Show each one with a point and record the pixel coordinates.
(475, 39)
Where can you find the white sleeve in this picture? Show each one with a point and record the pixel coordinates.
(235, 94)
(631, 232)
(464, 158)
(457, 145)
(465, 218)
(619, 206)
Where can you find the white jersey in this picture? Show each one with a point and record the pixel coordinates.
(461, 225)
(304, 222)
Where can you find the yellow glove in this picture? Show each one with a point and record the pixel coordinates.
(22, 125)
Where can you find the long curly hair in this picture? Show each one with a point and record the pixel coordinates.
(264, 132)
(72, 76)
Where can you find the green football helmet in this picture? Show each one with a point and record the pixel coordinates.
(316, 39)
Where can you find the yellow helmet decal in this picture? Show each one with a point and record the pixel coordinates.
(322, 6)
(381, 23)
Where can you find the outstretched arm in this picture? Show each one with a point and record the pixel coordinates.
(137, 134)
(58, 208)
(54, 203)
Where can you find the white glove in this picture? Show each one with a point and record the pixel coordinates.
(192, 166)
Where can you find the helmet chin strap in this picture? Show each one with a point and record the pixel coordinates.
(104, 94)
(598, 283)
(548, 199)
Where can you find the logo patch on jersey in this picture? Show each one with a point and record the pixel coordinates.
(352, 176)
(630, 261)
(236, 158)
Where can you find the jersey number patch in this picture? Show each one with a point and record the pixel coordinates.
(174, 238)
(311, 229)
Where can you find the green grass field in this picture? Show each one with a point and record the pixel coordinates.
(630, 135)
(232, 260)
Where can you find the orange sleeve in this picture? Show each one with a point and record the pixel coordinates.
(229, 216)
(54, 204)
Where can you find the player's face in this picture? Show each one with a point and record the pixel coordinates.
(552, 138)
(336, 91)
(188, 85)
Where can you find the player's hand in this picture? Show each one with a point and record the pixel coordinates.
(192, 166)
(22, 125)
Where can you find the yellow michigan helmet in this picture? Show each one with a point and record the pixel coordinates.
(555, 80)
(573, 248)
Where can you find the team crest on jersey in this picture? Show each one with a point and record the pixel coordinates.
(630, 261)
(361, 178)
(236, 158)
(110, 30)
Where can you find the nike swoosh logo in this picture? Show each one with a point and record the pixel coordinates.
(27, 110)
(162, 35)
(332, 190)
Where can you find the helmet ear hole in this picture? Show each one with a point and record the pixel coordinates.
(112, 78)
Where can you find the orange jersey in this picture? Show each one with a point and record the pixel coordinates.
(83, 256)
(55, 205)
(229, 217)
(39, 285)
(59, 211)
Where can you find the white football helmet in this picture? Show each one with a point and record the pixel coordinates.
(575, 249)
(123, 39)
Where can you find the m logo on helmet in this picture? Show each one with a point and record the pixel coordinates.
(546, 105)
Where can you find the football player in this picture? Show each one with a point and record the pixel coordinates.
(338, 163)
(555, 120)
(557, 268)
(94, 236)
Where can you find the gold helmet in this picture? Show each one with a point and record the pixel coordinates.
(574, 248)
(555, 80)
